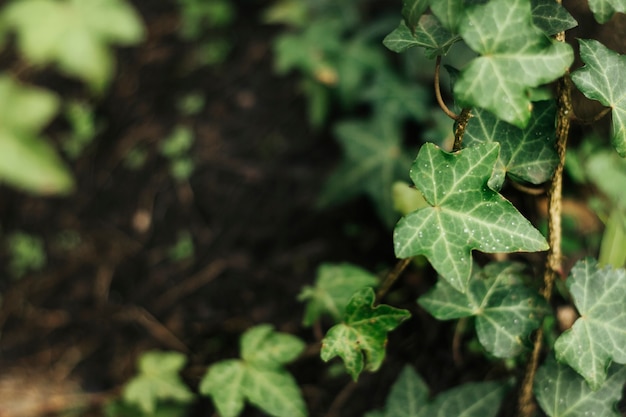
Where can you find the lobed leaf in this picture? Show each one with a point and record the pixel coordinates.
(506, 311)
(527, 154)
(429, 34)
(274, 390)
(360, 340)
(603, 10)
(599, 335)
(334, 286)
(261, 345)
(463, 214)
(603, 78)
(224, 383)
(551, 17)
(512, 62)
(449, 13)
(562, 392)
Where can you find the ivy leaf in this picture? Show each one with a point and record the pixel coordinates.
(562, 392)
(603, 10)
(157, 379)
(429, 34)
(512, 61)
(75, 34)
(412, 10)
(363, 334)
(396, 98)
(506, 311)
(449, 13)
(527, 154)
(26, 160)
(603, 78)
(334, 286)
(599, 334)
(408, 398)
(551, 17)
(373, 159)
(259, 377)
(464, 213)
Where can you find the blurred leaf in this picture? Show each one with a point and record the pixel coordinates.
(397, 99)
(263, 346)
(360, 340)
(407, 199)
(561, 392)
(599, 335)
(603, 78)
(603, 10)
(463, 214)
(428, 34)
(178, 143)
(607, 171)
(334, 286)
(613, 246)
(26, 253)
(224, 382)
(551, 17)
(512, 61)
(506, 311)
(449, 13)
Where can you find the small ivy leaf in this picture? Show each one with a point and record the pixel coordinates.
(506, 311)
(429, 34)
(412, 10)
(274, 390)
(551, 17)
(449, 13)
(26, 160)
(603, 10)
(374, 159)
(363, 333)
(408, 398)
(223, 382)
(599, 334)
(512, 62)
(603, 78)
(157, 379)
(334, 286)
(527, 154)
(261, 345)
(464, 213)
(562, 392)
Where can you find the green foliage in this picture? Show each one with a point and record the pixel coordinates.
(409, 398)
(157, 380)
(562, 392)
(603, 78)
(83, 128)
(599, 335)
(74, 34)
(505, 310)
(603, 10)
(360, 340)
(26, 253)
(428, 33)
(176, 149)
(183, 249)
(464, 213)
(259, 377)
(334, 286)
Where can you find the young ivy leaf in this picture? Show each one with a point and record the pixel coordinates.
(463, 213)
(603, 10)
(409, 398)
(334, 286)
(512, 61)
(157, 379)
(360, 340)
(429, 34)
(603, 78)
(412, 10)
(259, 377)
(551, 17)
(527, 154)
(506, 311)
(562, 392)
(599, 334)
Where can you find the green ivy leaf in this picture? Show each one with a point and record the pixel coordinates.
(527, 154)
(464, 213)
(408, 398)
(512, 62)
(396, 98)
(429, 34)
(562, 392)
(599, 335)
(363, 333)
(603, 78)
(506, 311)
(156, 380)
(603, 10)
(551, 17)
(259, 377)
(449, 13)
(412, 10)
(75, 34)
(373, 159)
(27, 161)
(334, 286)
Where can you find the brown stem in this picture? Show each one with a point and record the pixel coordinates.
(461, 125)
(391, 277)
(440, 101)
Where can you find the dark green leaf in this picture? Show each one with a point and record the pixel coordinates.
(449, 13)
(599, 335)
(464, 213)
(360, 340)
(429, 34)
(412, 10)
(551, 17)
(506, 311)
(603, 78)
